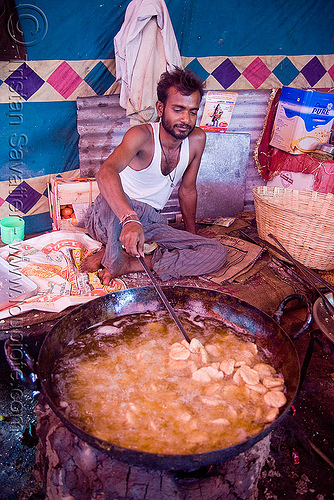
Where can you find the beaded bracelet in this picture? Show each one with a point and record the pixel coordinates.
(131, 220)
(126, 216)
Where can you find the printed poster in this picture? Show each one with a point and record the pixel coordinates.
(218, 111)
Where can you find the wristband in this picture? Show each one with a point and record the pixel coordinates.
(126, 216)
(131, 220)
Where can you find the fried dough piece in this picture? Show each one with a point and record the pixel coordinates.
(198, 437)
(249, 376)
(227, 366)
(201, 375)
(252, 347)
(264, 370)
(179, 351)
(258, 415)
(184, 416)
(153, 426)
(220, 421)
(195, 345)
(271, 382)
(275, 398)
(210, 401)
(213, 350)
(212, 389)
(204, 356)
(134, 408)
(237, 377)
(130, 417)
(239, 363)
(245, 357)
(271, 415)
(259, 388)
(213, 372)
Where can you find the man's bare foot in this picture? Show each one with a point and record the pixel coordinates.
(130, 265)
(92, 262)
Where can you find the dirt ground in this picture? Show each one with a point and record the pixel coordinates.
(301, 462)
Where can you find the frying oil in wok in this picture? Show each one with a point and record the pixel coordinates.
(133, 382)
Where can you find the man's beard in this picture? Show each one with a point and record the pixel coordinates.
(175, 131)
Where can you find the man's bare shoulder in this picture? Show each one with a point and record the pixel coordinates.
(200, 132)
(139, 133)
(137, 146)
(197, 140)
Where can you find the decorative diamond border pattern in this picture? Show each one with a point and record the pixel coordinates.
(30, 197)
(50, 81)
(67, 80)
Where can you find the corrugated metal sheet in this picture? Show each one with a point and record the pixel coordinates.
(102, 123)
(248, 117)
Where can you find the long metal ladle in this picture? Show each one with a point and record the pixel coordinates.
(163, 298)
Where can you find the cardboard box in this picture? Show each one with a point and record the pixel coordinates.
(293, 180)
(303, 120)
(74, 193)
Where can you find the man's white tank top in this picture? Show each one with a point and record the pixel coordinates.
(150, 185)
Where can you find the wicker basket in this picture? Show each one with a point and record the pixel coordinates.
(302, 221)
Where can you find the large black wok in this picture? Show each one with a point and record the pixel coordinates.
(260, 327)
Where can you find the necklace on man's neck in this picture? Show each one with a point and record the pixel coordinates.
(172, 179)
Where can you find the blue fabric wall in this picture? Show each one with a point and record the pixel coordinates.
(85, 30)
(77, 30)
(253, 27)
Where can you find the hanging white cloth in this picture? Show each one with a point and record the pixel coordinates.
(145, 47)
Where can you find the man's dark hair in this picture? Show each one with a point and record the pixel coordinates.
(184, 80)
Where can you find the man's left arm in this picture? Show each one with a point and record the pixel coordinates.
(187, 190)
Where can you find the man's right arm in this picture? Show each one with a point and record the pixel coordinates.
(109, 182)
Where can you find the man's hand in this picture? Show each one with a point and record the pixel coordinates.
(133, 239)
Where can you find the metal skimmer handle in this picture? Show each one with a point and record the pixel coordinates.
(164, 298)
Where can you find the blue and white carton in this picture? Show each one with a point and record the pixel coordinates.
(303, 120)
